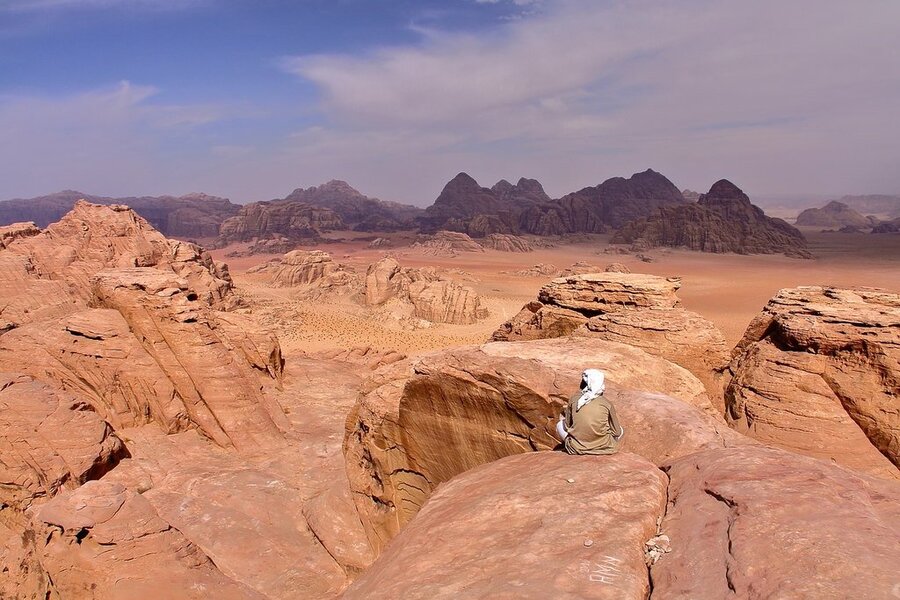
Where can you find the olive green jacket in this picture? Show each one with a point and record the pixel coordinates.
(591, 429)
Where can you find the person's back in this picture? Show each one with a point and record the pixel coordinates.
(589, 424)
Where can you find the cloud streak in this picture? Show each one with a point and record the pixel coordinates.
(735, 86)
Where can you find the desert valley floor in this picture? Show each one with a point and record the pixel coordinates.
(727, 289)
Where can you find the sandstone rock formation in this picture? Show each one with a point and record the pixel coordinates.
(723, 220)
(538, 525)
(10, 233)
(616, 268)
(357, 211)
(635, 309)
(311, 267)
(465, 206)
(756, 522)
(48, 274)
(883, 205)
(834, 215)
(192, 216)
(818, 372)
(449, 243)
(428, 296)
(287, 219)
(420, 423)
(507, 243)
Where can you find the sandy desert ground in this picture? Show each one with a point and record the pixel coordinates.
(727, 289)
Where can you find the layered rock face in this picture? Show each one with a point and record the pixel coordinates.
(723, 220)
(581, 534)
(640, 310)
(507, 243)
(818, 372)
(887, 227)
(311, 267)
(186, 217)
(357, 211)
(423, 422)
(834, 215)
(449, 243)
(429, 297)
(287, 219)
(10, 233)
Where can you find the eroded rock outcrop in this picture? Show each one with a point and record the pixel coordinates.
(449, 243)
(357, 211)
(723, 220)
(292, 220)
(640, 310)
(302, 267)
(507, 243)
(426, 295)
(420, 423)
(539, 525)
(818, 372)
(48, 274)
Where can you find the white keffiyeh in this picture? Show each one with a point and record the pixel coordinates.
(592, 385)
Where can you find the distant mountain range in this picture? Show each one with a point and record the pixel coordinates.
(646, 206)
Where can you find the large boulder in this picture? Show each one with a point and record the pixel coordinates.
(632, 308)
(422, 422)
(507, 243)
(818, 372)
(757, 522)
(539, 525)
(449, 243)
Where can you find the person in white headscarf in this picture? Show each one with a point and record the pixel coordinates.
(589, 424)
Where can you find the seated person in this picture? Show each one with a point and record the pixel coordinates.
(589, 424)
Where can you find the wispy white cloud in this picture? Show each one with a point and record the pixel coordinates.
(774, 94)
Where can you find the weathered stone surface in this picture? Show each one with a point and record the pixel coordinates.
(616, 268)
(371, 358)
(818, 372)
(539, 525)
(14, 231)
(639, 310)
(507, 243)
(104, 541)
(757, 522)
(357, 211)
(49, 440)
(420, 423)
(723, 220)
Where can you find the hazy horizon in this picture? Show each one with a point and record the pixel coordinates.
(250, 100)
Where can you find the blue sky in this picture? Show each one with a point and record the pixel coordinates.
(250, 99)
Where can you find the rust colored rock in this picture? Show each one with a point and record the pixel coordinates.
(635, 309)
(10, 233)
(616, 268)
(757, 522)
(835, 215)
(818, 372)
(420, 423)
(516, 528)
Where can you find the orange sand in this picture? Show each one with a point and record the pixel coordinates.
(729, 290)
